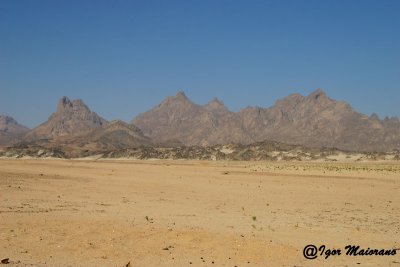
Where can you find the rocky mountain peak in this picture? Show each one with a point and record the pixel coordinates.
(79, 103)
(71, 118)
(7, 120)
(180, 99)
(291, 100)
(318, 94)
(181, 95)
(320, 99)
(215, 104)
(65, 104)
(8, 123)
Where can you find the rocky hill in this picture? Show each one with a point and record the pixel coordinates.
(11, 131)
(115, 135)
(268, 150)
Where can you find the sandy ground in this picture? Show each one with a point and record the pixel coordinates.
(186, 213)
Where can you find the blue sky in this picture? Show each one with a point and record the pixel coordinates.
(124, 57)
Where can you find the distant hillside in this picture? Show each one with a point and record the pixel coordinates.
(11, 131)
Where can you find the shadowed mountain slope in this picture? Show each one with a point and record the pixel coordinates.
(115, 135)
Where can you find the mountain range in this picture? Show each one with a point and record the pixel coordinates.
(314, 121)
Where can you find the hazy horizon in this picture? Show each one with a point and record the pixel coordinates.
(123, 58)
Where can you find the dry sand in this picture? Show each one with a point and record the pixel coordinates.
(188, 213)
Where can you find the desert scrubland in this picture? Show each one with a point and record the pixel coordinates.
(195, 213)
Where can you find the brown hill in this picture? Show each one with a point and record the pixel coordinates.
(11, 131)
(315, 120)
(115, 135)
(71, 118)
(179, 118)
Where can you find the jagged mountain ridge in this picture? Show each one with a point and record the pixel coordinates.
(314, 120)
(179, 118)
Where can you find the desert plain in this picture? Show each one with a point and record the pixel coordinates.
(195, 213)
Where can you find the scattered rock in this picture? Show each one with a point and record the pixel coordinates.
(168, 248)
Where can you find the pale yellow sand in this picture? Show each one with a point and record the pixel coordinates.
(173, 213)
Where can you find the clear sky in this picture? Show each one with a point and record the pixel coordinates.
(124, 57)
